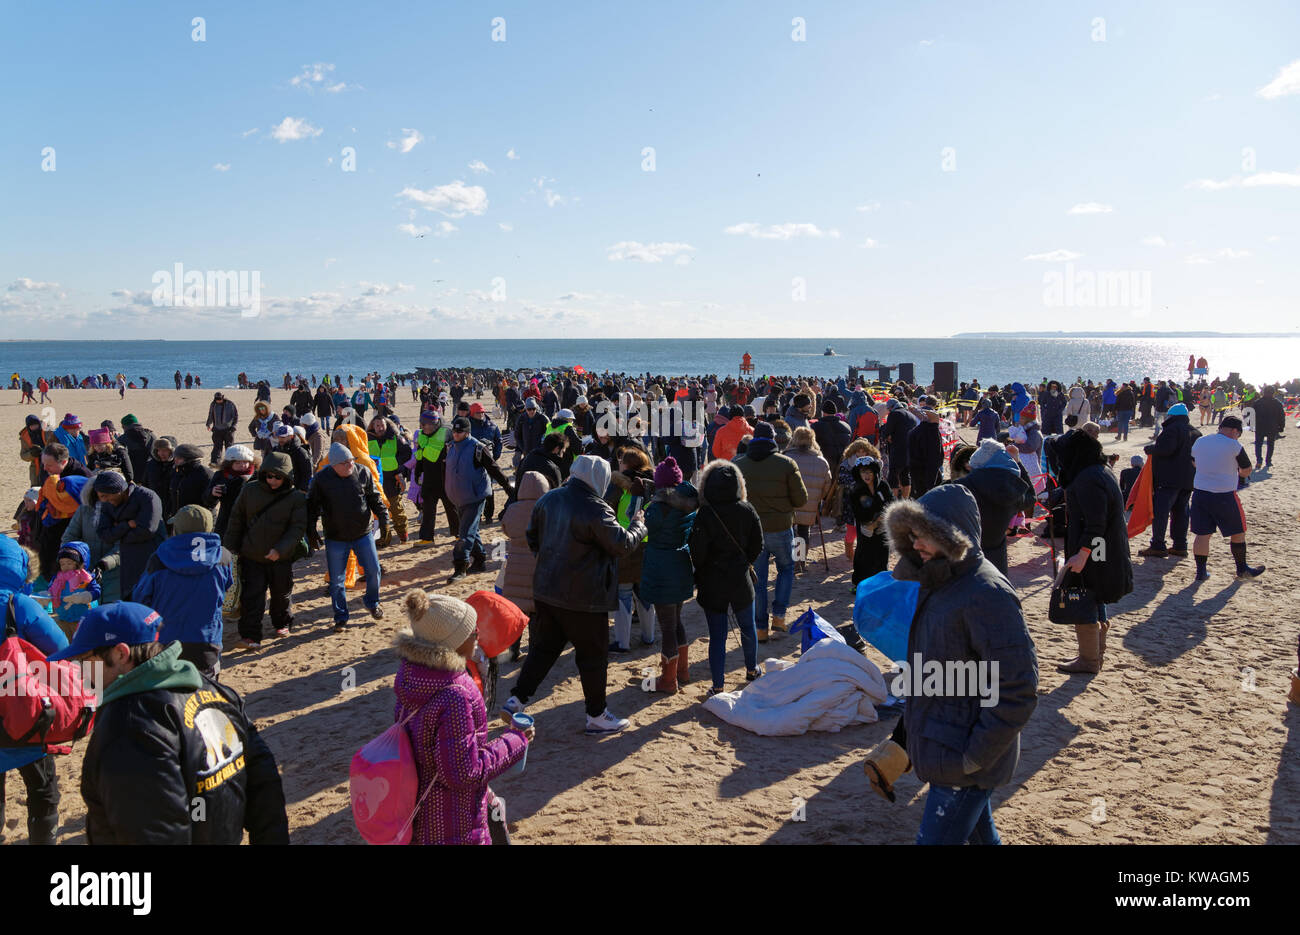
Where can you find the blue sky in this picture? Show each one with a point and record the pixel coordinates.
(904, 170)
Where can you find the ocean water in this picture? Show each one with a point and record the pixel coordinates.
(991, 360)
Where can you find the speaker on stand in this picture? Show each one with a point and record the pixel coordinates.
(906, 373)
(945, 376)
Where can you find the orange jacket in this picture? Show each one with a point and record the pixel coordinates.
(728, 438)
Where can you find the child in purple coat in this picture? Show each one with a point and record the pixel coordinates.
(449, 729)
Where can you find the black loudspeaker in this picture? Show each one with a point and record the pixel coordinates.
(906, 373)
(945, 376)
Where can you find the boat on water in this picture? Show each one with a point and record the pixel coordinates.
(829, 352)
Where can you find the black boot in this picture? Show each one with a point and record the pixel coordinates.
(479, 565)
(458, 570)
(43, 830)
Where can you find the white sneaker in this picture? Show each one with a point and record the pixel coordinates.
(512, 706)
(607, 723)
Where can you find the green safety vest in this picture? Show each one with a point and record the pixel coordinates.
(623, 516)
(431, 446)
(556, 428)
(385, 453)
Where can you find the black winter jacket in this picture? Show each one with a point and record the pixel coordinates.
(1171, 455)
(189, 484)
(1095, 516)
(344, 504)
(138, 442)
(155, 751)
(725, 540)
(1000, 494)
(578, 543)
(262, 519)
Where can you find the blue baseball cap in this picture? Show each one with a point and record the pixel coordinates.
(123, 622)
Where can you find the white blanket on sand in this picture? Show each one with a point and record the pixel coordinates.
(830, 687)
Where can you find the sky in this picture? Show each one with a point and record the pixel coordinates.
(668, 170)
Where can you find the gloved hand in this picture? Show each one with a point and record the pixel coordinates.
(885, 763)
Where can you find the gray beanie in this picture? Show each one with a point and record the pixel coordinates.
(339, 453)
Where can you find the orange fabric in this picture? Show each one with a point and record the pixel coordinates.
(62, 504)
(728, 438)
(1139, 501)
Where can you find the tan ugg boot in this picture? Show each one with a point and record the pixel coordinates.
(778, 623)
(667, 680)
(1101, 640)
(1089, 658)
(1294, 695)
(683, 654)
(762, 635)
(885, 763)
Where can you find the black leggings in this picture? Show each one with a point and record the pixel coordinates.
(671, 627)
(42, 800)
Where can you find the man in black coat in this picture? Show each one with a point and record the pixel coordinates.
(578, 542)
(138, 442)
(895, 434)
(1270, 422)
(131, 516)
(1172, 472)
(1002, 489)
(833, 435)
(190, 478)
(547, 459)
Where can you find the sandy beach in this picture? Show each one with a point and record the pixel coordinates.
(1185, 737)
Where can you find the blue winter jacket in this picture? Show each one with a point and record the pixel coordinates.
(187, 588)
(33, 624)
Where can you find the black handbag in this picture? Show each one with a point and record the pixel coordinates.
(1072, 604)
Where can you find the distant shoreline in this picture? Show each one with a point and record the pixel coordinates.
(1038, 335)
(1169, 335)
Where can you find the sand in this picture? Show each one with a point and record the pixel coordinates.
(1186, 737)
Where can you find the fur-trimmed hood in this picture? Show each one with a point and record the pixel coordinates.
(684, 497)
(423, 653)
(721, 482)
(948, 516)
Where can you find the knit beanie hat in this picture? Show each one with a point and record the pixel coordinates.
(109, 482)
(192, 518)
(764, 430)
(239, 453)
(668, 474)
(439, 619)
(188, 452)
(1137, 461)
(339, 453)
(992, 453)
(129, 419)
(100, 436)
(1177, 409)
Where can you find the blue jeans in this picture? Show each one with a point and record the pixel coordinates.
(1124, 416)
(778, 545)
(336, 560)
(718, 641)
(467, 541)
(958, 815)
(325, 423)
(1260, 441)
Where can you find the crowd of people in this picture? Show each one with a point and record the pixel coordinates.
(139, 551)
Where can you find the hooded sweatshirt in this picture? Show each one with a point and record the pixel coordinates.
(188, 588)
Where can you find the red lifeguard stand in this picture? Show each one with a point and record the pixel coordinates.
(746, 364)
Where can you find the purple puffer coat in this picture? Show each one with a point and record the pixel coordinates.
(450, 742)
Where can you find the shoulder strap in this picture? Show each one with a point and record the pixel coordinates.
(11, 618)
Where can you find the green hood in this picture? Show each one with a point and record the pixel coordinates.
(165, 670)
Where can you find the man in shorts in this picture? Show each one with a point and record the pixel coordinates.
(1220, 461)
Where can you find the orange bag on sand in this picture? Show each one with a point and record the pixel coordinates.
(352, 573)
(500, 622)
(1139, 501)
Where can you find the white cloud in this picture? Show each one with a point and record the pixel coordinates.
(1287, 82)
(1091, 207)
(407, 142)
(222, 167)
(505, 226)
(294, 128)
(925, 42)
(869, 206)
(1224, 253)
(575, 297)
(382, 288)
(542, 184)
(445, 229)
(786, 231)
(1257, 180)
(646, 253)
(478, 165)
(1209, 98)
(248, 133)
(314, 76)
(870, 243)
(1055, 256)
(510, 154)
(23, 284)
(455, 199)
(330, 260)
(1155, 240)
(415, 230)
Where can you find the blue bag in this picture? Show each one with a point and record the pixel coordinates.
(813, 629)
(883, 612)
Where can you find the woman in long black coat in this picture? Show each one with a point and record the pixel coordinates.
(1096, 540)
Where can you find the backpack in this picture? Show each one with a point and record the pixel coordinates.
(42, 703)
(382, 782)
